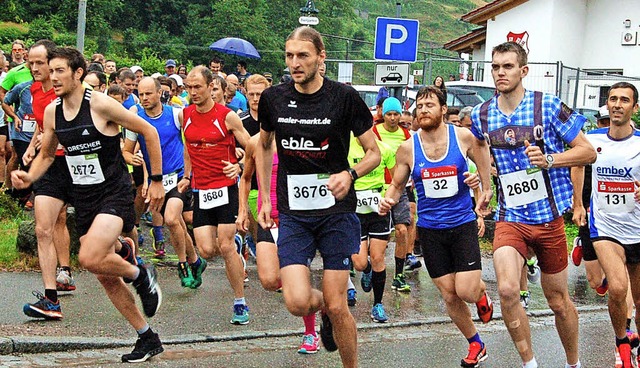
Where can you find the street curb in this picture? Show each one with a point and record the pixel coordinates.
(45, 344)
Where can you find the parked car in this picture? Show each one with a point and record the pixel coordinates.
(483, 89)
(456, 97)
(590, 114)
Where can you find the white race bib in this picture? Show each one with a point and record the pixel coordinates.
(368, 201)
(440, 182)
(85, 169)
(523, 187)
(309, 192)
(616, 197)
(212, 198)
(28, 124)
(169, 181)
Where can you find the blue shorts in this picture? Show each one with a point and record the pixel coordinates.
(336, 236)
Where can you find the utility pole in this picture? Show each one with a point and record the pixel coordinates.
(82, 22)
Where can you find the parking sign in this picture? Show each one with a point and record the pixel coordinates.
(396, 39)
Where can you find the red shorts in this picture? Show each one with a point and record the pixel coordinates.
(548, 241)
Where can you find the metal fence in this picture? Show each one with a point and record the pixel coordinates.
(576, 87)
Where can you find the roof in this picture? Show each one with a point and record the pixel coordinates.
(468, 42)
(481, 15)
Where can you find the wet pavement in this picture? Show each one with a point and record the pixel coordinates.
(195, 323)
(433, 346)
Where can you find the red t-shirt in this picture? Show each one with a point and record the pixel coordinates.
(40, 100)
(208, 143)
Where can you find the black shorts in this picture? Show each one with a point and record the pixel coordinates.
(410, 194)
(117, 201)
(138, 175)
(225, 214)
(375, 226)
(451, 250)
(631, 251)
(264, 235)
(20, 147)
(185, 197)
(588, 252)
(4, 130)
(56, 182)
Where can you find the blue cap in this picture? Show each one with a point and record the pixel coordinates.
(170, 62)
(391, 104)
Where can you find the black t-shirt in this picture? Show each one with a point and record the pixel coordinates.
(586, 187)
(249, 123)
(312, 133)
(253, 127)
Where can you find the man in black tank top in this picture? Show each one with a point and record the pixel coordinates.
(83, 122)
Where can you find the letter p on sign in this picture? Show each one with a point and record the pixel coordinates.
(390, 39)
(396, 39)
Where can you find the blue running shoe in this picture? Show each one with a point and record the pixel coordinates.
(251, 245)
(43, 308)
(240, 314)
(351, 297)
(147, 217)
(412, 263)
(238, 240)
(365, 281)
(378, 314)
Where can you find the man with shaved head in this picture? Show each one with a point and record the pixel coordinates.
(239, 100)
(168, 121)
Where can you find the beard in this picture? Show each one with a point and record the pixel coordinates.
(308, 77)
(429, 124)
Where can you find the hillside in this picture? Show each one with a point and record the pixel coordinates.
(147, 32)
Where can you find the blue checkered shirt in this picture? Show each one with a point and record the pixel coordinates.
(561, 126)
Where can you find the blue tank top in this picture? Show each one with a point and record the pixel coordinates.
(443, 197)
(170, 140)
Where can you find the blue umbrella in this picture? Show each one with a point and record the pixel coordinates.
(236, 46)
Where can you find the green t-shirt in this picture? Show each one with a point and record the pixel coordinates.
(393, 139)
(374, 179)
(15, 76)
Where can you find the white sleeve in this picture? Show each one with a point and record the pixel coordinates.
(131, 135)
(176, 117)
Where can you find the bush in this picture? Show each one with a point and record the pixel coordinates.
(11, 31)
(9, 208)
(40, 28)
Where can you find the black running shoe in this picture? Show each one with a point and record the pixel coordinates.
(127, 253)
(149, 290)
(145, 349)
(326, 333)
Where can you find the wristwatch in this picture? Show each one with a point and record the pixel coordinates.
(157, 177)
(550, 161)
(353, 173)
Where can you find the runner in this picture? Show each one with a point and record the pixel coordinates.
(168, 122)
(534, 190)
(83, 122)
(374, 229)
(310, 120)
(266, 249)
(214, 174)
(615, 208)
(51, 196)
(436, 159)
(391, 133)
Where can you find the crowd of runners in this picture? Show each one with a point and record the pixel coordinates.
(234, 164)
